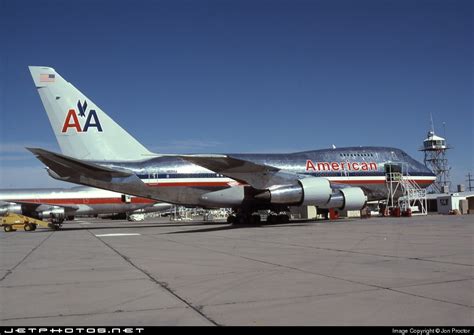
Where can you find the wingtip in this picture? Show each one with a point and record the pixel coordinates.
(33, 150)
(38, 151)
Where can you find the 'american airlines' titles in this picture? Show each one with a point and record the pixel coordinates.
(340, 166)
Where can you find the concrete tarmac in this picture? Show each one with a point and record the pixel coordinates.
(378, 271)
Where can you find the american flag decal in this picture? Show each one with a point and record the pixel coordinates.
(47, 78)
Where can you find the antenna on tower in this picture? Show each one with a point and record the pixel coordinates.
(432, 123)
(469, 180)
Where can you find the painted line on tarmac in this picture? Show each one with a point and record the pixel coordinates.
(113, 235)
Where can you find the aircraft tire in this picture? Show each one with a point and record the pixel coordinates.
(54, 226)
(241, 219)
(272, 219)
(283, 218)
(255, 219)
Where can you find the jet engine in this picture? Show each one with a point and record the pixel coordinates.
(317, 192)
(350, 198)
(55, 213)
(10, 208)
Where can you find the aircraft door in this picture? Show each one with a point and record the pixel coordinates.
(393, 171)
(153, 176)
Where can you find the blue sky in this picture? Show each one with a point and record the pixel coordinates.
(243, 76)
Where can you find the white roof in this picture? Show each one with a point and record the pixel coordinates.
(434, 138)
(466, 194)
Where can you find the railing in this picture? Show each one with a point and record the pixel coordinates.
(411, 194)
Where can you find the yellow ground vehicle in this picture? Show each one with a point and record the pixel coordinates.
(11, 222)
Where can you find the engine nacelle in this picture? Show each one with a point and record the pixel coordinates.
(10, 208)
(350, 198)
(307, 191)
(317, 192)
(57, 213)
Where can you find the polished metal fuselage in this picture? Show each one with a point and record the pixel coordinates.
(172, 179)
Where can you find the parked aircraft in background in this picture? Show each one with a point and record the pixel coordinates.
(97, 152)
(63, 203)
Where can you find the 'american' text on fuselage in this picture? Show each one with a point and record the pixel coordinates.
(340, 166)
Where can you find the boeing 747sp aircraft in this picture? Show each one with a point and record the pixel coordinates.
(97, 152)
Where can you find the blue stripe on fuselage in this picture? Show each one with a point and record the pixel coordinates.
(314, 174)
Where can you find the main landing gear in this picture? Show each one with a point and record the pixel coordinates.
(278, 218)
(242, 218)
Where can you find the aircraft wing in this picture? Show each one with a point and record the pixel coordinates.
(66, 167)
(256, 175)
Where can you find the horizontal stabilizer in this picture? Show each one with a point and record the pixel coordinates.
(91, 174)
(66, 167)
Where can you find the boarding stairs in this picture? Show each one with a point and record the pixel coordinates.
(405, 194)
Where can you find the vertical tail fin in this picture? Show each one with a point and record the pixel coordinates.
(81, 128)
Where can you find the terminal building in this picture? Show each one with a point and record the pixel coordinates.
(460, 202)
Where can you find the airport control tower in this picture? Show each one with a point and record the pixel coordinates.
(435, 149)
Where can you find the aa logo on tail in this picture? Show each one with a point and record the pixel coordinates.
(72, 120)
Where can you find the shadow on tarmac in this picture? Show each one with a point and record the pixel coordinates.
(216, 226)
(128, 225)
(293, 223)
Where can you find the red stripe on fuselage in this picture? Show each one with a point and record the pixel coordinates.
(87, 201)
(226, 184)
(374, 181)
(191, 184)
